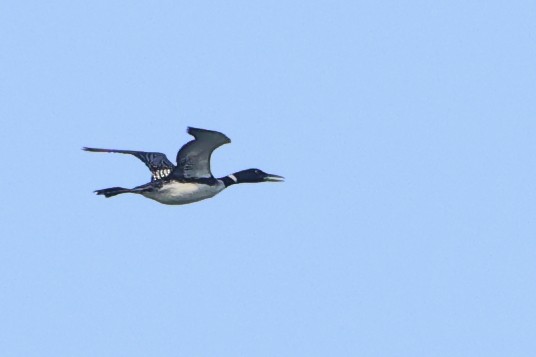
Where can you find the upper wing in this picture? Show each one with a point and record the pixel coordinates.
(157, 162)
(193, 159)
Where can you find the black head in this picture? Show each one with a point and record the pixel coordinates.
(256, 175)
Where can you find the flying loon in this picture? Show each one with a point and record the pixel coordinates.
(190, 180)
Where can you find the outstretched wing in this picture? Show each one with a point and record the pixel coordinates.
(193, 159)
(157, 162)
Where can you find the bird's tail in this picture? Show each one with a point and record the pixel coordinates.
(109, 192)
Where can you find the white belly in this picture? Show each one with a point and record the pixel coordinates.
(179, 193)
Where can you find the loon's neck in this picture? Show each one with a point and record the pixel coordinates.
(229, 180)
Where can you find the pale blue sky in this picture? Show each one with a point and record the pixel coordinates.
(405, 130)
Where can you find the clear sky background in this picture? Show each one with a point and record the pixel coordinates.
(405, 129)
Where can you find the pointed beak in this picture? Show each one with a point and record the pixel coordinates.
(273, 178)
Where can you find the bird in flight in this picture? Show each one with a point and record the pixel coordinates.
(191, 179)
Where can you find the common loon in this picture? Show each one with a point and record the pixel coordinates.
(190, 180)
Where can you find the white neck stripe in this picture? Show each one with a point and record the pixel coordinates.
(233, 177)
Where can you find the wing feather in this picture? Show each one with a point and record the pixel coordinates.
(158, 163)
(193, 159)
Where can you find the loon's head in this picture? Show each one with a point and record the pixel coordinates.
(255, 175)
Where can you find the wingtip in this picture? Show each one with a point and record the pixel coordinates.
(194, 131)
(85, 148)
(191, 130)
